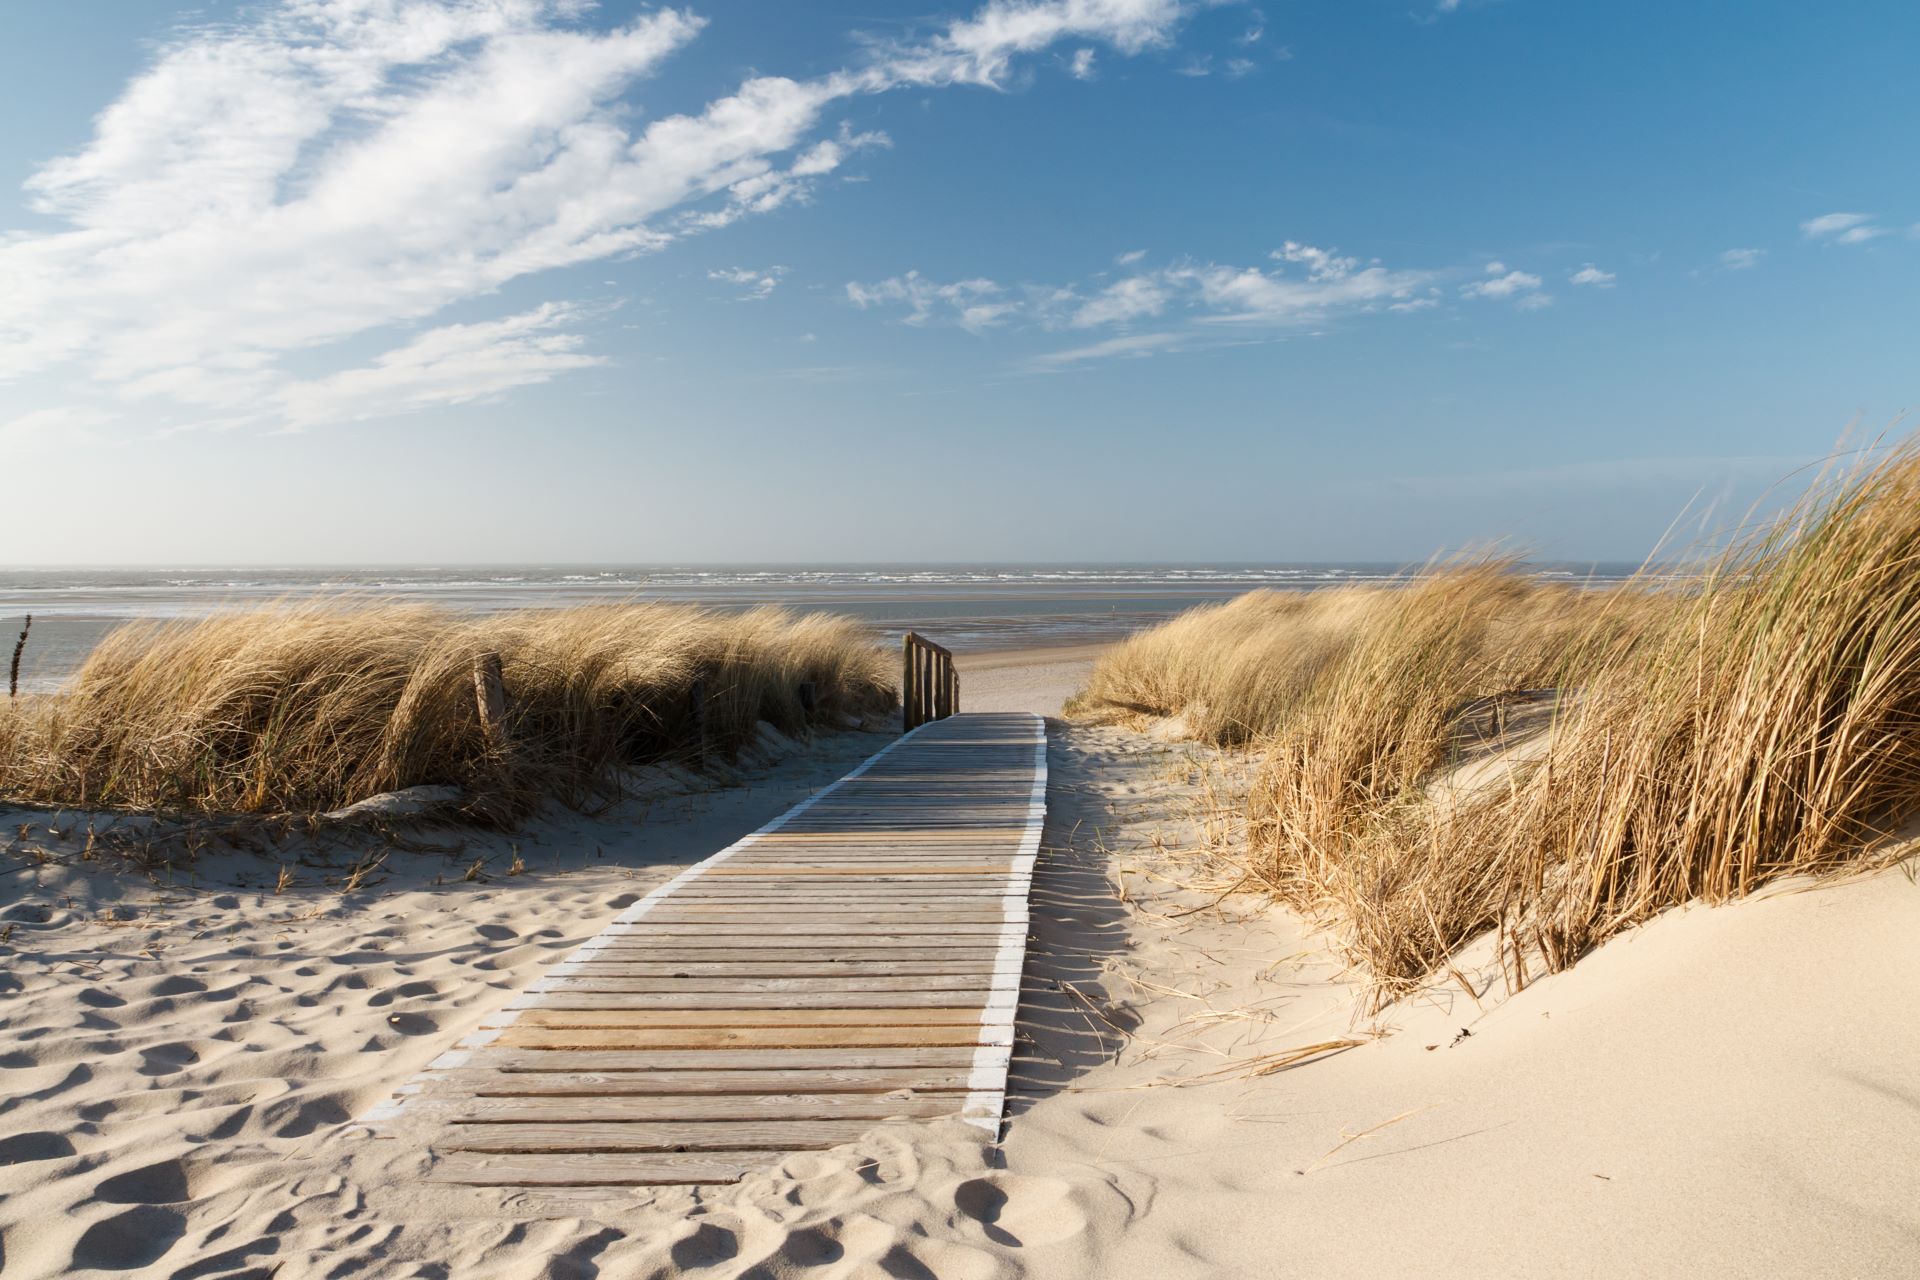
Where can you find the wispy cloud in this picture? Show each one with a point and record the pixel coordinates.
(1132, 344)
(972, 304)
(1592, 276)
(1741, 259)
(752, 284)
(1306, 286)
(1842, 228)
(1521, 287)
(453, 364)
(327, 169)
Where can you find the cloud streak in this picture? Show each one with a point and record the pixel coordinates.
(1304, 286)
(330, 169)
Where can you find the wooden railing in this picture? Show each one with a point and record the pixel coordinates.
(929, 687)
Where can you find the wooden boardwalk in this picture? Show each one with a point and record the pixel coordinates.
(855, 960)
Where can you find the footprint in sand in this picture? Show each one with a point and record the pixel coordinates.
(96, 998)
(809, 1247)
(165, 1059)
(708, 1246)
(1018, 1211)
(139, 1237)
(622, 902)
(163, 1183)
(19, 1148)
(412, 1024)
(496, 932)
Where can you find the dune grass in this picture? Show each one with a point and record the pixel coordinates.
(1761, 721)
(310, 708)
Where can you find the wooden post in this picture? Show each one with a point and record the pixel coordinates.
(490, 696)
(956, 691)
(697, 712)
(906, 681)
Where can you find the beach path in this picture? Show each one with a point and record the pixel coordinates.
(857, 959)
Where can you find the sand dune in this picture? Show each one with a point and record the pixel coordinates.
(1722, 1092)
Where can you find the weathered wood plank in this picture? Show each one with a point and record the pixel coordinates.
(970, 998)
(719, 1061)
(672, 1108)
(678, 1137)
(747, 1019)
(755, 987)
(666, 1082)
(471, 1170)
(525, 1036)
(786, 967)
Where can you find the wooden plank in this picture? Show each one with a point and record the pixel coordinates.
(748, 1019)
(776, 985)
(672, 1108)
(522, 1036)
(775, 935)
(665, 1082)
(872, 946)
(695, 1135)
(785, 967)
(470, 1170)
(970, 997)
(841, 1058)
(720, 1061)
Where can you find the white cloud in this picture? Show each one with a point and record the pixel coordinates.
(1741, 259)
(327, 169)
(1592, 275)
(1239, 67)
(1134, 345)
(1843, 228)
(751, 283)
(973, 304)
(1522, 286)
(1120, 303)
(1081, 65)
(454, 364)
(1209, 295)
(1130, 257)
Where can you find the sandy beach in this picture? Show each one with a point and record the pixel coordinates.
(1721, 1091)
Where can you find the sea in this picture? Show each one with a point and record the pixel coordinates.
(970, 608)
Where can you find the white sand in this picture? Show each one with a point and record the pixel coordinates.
(1725, 1092)
(1036, 680)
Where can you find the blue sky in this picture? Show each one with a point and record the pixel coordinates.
(481, 280)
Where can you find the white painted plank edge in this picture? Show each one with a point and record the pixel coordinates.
(987, 1082)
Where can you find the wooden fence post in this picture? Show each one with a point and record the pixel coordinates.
(490, 697)
(907, 660)
(697, 707)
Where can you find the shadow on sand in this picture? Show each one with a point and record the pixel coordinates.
(1067, 1023)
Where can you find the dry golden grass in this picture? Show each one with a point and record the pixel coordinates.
(1708, 738)
(298, 709)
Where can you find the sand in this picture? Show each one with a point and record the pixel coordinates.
(1725, 1091)
(1036, 680)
